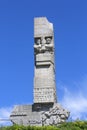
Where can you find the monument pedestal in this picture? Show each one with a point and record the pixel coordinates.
(39, 114)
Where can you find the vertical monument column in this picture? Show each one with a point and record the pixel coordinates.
(44, 77)
(45, 110)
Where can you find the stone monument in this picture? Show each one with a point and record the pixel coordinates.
(45, 110)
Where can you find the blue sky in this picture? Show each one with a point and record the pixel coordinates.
(69, 18)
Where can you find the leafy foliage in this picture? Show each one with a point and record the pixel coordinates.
(77, 125)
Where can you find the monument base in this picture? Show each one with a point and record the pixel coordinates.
(39, 114)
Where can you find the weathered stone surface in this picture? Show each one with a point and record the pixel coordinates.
(44, 79)
(55, 115)
(45, 110)
(39, 115)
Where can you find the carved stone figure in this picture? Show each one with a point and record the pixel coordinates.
(43, 45)
(45, 110)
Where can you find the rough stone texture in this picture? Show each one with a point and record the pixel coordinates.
(44, 79)
(24, 115)
(39, 114)
(56, 115)
(45, 110)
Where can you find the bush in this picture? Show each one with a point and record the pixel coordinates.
(77, 125)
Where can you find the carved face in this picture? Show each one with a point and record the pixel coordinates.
(43, 44)
(38, 41)
(48, 40)
(43, 40)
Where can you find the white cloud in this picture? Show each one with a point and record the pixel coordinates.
(77, 104)
(4, 114)
(76, 100)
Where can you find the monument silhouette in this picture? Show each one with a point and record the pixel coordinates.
(45, 110)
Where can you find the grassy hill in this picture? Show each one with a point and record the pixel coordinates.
(77, 125)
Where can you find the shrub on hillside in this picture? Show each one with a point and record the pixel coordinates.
(77, 125)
